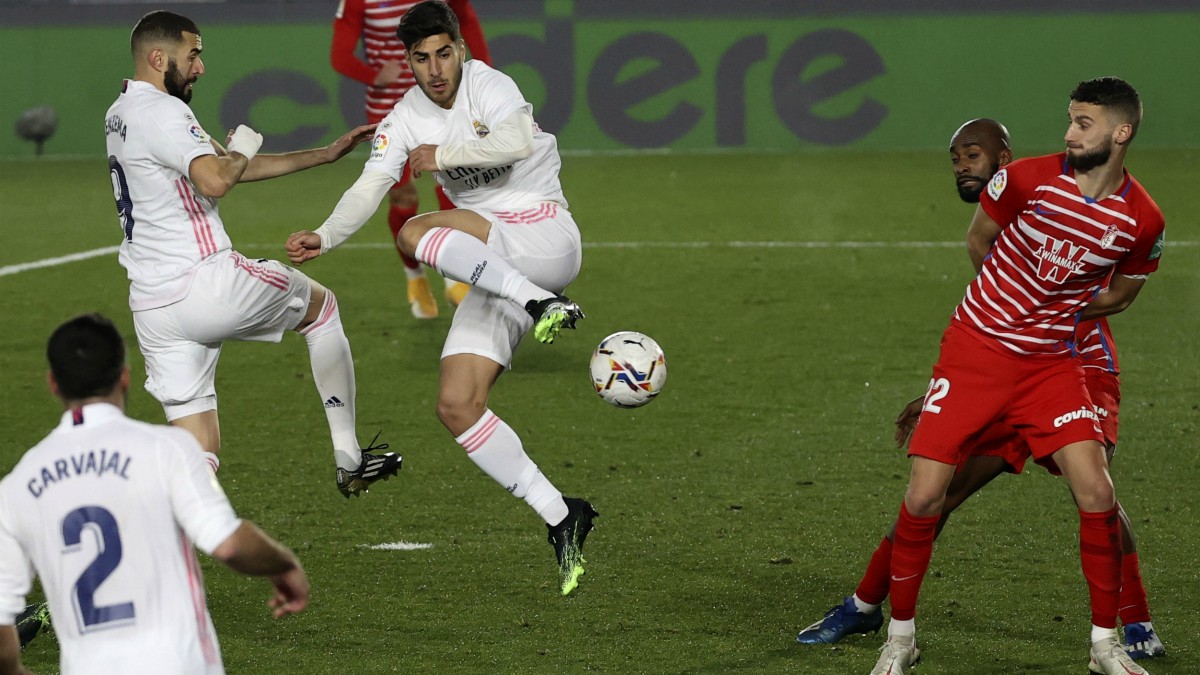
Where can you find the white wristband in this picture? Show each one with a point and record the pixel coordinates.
(245, 141)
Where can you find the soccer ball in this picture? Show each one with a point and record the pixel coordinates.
(628, 369)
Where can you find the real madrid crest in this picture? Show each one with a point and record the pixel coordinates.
(481, 129)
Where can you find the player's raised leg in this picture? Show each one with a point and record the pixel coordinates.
(455, 244)
(333, 373)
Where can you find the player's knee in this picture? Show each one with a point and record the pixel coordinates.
(458, 410)
(924, 503)
(410, 235)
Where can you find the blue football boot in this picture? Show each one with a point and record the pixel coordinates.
(1141, 642)
(842, 620)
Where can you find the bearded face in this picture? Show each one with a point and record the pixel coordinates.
(176, 83)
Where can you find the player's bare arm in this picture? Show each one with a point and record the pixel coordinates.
(980, 236)
(249, 551)
(263, 167)
(1119, 295)
(215, 175)
(10, 652)
(906, 421)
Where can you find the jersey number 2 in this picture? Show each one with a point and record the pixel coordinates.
(103, 525)
(938, 388)
(121, 194)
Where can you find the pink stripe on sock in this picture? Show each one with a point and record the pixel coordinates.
(482, 434)
(326, 312)
(431, 245)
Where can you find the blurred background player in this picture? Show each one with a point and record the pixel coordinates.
(388, 77)
(104, 511)
(978, 150)
(188, 289)
(512, 238)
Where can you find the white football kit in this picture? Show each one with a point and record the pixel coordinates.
(188, 289)
(105, 511)
(531, 227)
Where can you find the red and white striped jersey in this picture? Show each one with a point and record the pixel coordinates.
(104, 510)
(167, 227)
(1095, 347)
(1055, 251)
(375, 22)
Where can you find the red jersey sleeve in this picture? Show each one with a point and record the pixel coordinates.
(1143, 255)
(1009, 190)
(347, 30)
(472, 31)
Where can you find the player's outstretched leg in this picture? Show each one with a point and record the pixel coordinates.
(31, 621)
(567, 539)
(333, 373)
(461, 256)
(844, 619)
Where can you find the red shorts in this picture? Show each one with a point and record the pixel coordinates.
(976, 386)
(1105, 390)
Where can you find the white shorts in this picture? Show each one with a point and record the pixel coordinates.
(230, 298)
(543, 243)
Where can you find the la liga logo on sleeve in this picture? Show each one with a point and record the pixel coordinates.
(198, 133)
(998, 183)
(379, 146)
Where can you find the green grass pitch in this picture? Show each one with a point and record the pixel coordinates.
(737, 507)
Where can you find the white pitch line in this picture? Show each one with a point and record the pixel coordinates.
(397, 546)
(60, 260)
(107, 250)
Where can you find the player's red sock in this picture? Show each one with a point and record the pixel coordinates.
(444, 202)
(1100, 554)
(873, 588)
(911, 551)
(1135, 608)
(397, 217)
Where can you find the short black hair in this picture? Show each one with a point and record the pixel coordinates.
(1114, 94)
(86, 355)
(160, 26)
(424, 19)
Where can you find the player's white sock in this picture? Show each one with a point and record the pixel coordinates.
(496, 448)
(864, 607)
(333, 373)
(460, 256)
(1101, 634)
(414, 273)
(214, 462)
(905, 628)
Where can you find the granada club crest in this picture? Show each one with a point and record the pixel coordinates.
(1110, 235)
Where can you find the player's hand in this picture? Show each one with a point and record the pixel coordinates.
(348, 141)
(906, 422)
(244, 141)
(388, 73)
(291, 592)
(303, 246)
(423, 158)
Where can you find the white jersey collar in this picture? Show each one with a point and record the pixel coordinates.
(89, 415)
